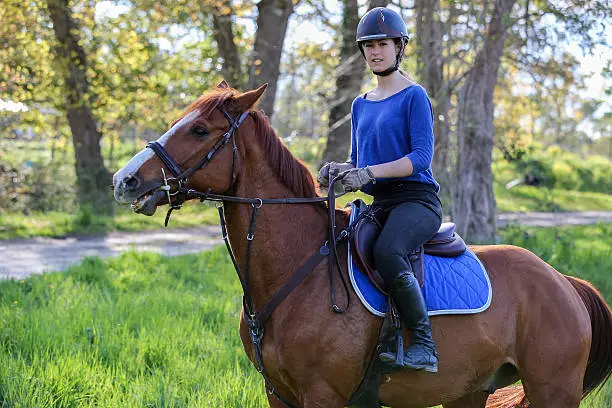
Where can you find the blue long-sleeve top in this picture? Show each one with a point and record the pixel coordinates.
(389, 129)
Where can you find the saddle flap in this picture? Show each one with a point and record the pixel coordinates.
(365, 233)
(444, 243)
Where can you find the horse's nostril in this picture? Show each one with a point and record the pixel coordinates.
(130, 182)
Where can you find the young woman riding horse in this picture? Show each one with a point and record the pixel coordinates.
(551, 331)
(391, 153)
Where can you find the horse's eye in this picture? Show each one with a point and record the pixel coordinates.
(199, 131)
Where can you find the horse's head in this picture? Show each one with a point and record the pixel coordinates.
(203, 134)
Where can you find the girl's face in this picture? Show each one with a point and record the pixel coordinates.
(380, 54)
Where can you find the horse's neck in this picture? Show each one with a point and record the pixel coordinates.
(284, 237)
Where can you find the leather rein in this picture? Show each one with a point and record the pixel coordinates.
(255, 319)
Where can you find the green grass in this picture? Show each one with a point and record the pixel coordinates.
(530, 198)
(193, 214)
(583, 251)
(143, 330)
(137, 331)
(59, 224)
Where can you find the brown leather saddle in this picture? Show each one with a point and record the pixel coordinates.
(445, 243)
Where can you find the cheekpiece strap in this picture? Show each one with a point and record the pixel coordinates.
(165, 158)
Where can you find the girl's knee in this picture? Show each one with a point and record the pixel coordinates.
(389, 262)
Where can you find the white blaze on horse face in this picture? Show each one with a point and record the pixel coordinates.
(146, 154)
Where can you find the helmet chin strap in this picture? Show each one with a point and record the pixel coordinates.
(390, 70)
(386, 72)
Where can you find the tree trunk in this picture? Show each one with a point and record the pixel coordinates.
(349, 77)
(93, 179)
(474, 205)
(224, 36)
(271, 29)
(430, 71)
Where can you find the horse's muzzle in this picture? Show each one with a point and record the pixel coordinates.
(126, 189)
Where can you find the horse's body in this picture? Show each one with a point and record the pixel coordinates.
(538, 327)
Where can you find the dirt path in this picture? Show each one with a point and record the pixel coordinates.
(21, 258)
(24, 257)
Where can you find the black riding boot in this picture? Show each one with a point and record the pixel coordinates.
(422, 354)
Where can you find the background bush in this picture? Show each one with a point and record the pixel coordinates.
(33, 186)
(32, 179)
(556, 168)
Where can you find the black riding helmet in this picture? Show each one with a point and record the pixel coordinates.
(380, 23)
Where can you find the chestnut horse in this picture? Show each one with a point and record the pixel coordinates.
(552, 332)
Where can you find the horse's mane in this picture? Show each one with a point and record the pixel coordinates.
(290, 170)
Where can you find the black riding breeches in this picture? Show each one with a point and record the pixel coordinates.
(406, 226)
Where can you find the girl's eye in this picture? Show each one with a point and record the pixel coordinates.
(200, 131)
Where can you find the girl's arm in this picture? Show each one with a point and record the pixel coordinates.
(398, 168)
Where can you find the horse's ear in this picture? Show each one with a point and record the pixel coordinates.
(223, 84)
(248, 99)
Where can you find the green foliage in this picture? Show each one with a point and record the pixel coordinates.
(582, 251)
(51, 188)
(555, 168)
(537, 171)
(26, 72)
(542, 91)
(307, 93)
(143, 67)
(10, 187)
(306, 149)
(34, 187)
(147, 330)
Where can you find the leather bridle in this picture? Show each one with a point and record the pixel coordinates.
(255, 319)
(182, 177)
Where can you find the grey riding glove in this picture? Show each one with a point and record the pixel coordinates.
(355, 179)
(331, 169)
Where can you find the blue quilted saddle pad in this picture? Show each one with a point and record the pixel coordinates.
(458, 285)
